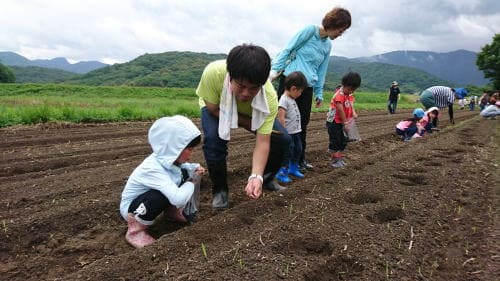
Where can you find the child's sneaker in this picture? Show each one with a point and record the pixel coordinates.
(282, 175)
(337, 163)
(343, 162)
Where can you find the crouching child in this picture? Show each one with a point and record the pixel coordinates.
(411, 128)
(427, 121)
(164, 181)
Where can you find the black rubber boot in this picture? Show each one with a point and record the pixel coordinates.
(271, 184)
(218, 175)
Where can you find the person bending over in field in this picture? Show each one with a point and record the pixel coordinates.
(440, 97)
(491, 111)
(236, 93)
(164, 181)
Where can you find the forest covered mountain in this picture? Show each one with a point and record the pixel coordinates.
(170, 69)
(36, 74)
(183, 69)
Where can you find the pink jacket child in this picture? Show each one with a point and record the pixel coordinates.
(411, 128)
(428, 120)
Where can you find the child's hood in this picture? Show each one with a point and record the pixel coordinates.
(432, 109)
(169, 136)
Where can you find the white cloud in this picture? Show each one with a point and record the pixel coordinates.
(118, 31)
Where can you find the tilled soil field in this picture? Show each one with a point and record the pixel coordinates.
(421, 210)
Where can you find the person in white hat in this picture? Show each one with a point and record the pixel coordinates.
(393, 97)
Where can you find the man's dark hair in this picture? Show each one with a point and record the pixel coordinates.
(196, 141)
(249, 63)
(351, 79)
(296, 79)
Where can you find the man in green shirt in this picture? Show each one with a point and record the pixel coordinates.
(236, 93)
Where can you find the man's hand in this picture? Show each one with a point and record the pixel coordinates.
(452, 121)
(254, 188)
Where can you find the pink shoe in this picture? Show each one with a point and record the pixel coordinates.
(176, 214)
(136, 233)
(416, 135)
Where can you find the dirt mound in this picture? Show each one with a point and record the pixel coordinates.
(427, 209)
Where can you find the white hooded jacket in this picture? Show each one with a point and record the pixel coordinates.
(168, 137)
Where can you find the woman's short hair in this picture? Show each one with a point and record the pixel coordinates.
(337, 18)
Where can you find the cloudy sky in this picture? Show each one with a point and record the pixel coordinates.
(120, 30)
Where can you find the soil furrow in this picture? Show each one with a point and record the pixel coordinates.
(433, 195)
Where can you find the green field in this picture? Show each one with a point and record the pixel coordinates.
(39, 103)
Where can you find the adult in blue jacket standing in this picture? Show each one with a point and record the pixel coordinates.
(309, 52)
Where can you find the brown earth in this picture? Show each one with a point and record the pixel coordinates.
(422, 210)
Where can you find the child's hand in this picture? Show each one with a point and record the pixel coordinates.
(197, 174)
(346, 127)
(200, 171)
(354, 115)
(318, 103)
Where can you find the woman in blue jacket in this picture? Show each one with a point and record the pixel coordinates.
(309, 52)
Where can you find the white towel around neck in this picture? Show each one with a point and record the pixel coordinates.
(228, 110)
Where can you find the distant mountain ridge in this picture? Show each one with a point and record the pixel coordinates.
(458, 67)
(376, 76)
(183, 69)
(13, 59)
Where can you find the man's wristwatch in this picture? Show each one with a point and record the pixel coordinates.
(253, 176)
